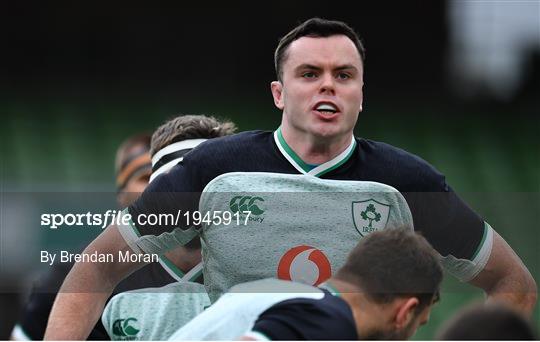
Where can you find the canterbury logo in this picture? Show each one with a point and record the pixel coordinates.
(246, 203)
(304, 264)
(125, 328)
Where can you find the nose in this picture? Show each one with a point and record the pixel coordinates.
(327, 84)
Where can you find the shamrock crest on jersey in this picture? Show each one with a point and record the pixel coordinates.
(370, 215)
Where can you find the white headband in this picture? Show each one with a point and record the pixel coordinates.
(177, 146)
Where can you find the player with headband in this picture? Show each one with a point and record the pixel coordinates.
(155, 313)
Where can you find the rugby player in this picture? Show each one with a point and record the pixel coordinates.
(319, 67)
(154, 313)
(385, 291)
(170, 143)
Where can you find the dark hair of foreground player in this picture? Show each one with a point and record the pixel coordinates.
(379, 267)
(315, 28)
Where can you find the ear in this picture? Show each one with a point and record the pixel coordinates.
(405, 311)
(362, 101)
(277, 92)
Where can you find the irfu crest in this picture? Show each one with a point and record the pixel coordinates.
(370, 215)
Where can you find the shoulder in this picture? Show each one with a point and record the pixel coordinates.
(380, 151)
(244, 141)
(325, 307)
(409, 171)
(237, 152)
(328, 318)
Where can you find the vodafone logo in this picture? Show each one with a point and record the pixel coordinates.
(304, 264)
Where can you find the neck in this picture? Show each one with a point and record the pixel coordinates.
(369, 318)
(314, 149)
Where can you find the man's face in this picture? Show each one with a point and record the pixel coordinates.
(321, 92)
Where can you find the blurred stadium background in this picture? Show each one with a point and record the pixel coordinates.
(456, 82)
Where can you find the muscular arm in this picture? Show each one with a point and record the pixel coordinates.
(83, 294)
(505, 278)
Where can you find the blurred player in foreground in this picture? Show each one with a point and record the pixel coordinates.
(319, 89)
(385, 291)
(487, 322)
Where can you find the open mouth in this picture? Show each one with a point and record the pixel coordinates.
(326, 109)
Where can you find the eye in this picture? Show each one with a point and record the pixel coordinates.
(309, 74)
(343, 76)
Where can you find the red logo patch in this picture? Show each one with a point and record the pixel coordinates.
(304, 264)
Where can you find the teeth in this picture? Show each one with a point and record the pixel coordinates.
(326, 107)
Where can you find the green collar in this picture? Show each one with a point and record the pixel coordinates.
(177, 273)
(305, 168)
(330, 288)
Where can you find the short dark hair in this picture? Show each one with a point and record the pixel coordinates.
(315, 27)
(185, 127)
(487, 321)
(394, 263)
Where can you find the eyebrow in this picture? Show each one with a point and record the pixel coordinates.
(346, 67)
(313, 67)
